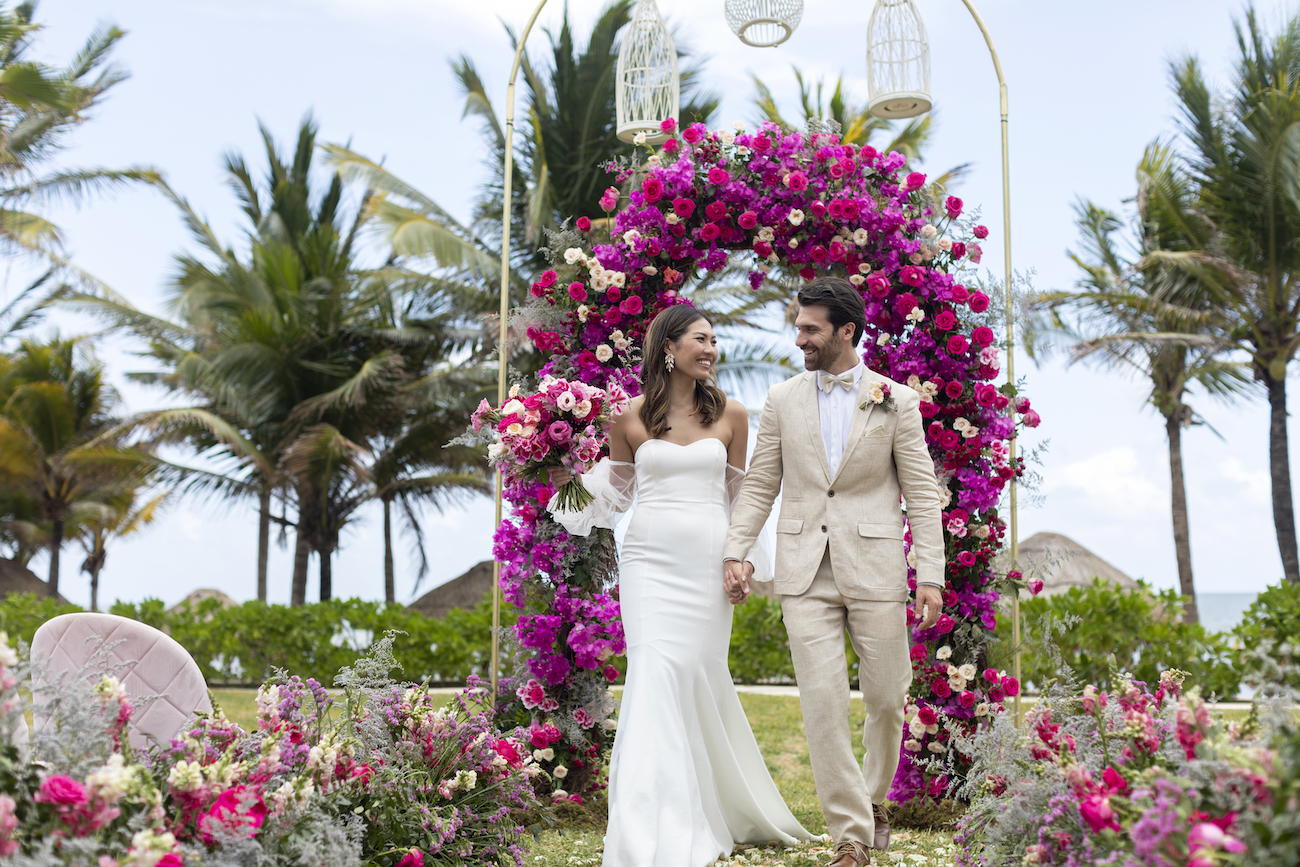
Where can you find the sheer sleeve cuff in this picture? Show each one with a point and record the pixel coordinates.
(612, 485)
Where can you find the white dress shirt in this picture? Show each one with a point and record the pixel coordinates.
(835, 409)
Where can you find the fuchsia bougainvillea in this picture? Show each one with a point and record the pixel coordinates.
(806, 203)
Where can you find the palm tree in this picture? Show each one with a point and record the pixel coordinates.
(1245, 155)
(122, 514)
(54, 409)
(1145, 312)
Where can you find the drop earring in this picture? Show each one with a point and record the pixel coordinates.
(669, 361)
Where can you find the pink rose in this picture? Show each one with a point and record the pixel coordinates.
(747, 220)
(652, 188)
(958, 249)
(946, 320)
(849, 210)
(985, 394)
(991, 675)
(911, 275)
(976, 253)
(957, 345)
(760, 143)
(981, 232)
(577, 292)
(683, 208)
(1031, 418)
(949, 439)
(709, 232)
(671, 146)
(997, 694)
(878, 285)
(548, 279)
(1036, 586)
(940, 687)
(953, 390)
(966, 558)
(171, 859)
(715, 211)
(819, 209)
(61, 790)
(914, 181)
(967, 698)
(240, 807)
(945, 624)
(1011, 685)
(668, 125)
(584, 224)
(631, 305)
(953, 206)
(818, 253)
(919, 652)
(959, 294)
(979, 302)
(927, 715)
(609, 201)
(693, 134)
(763, 248)
(796, 181)
(983, 335)
(413, 858)
(718, 176)
(905, 303)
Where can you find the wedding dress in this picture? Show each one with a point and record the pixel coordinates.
(687, 781)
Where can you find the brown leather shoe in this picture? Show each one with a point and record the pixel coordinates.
(851, 853)
(881, 840)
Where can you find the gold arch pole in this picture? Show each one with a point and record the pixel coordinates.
(1011, 335)
(503, 336)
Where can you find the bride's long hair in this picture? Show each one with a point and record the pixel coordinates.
(670, 325)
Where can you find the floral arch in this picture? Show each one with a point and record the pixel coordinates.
(819, 206)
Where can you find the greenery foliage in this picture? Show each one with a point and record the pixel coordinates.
(1142, 629)
(1273, 620)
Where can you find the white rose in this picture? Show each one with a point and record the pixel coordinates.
(957, 682)
(928, 231)
(861, 236)
(654, 160)
(857, 279)
(943, 652)
(621, 344)
(765, 233)
(738, 125)
(967, 671)
(618, 278)
(945, 244)
(583, 409)
(548, 754)
(916, 258)
(514, 392)
(558, 794)
(671, 219)
(560, 772)
(583, 312)
(932, 729)
(911, 558)
(611, 724)
(513, 407)
(982, 709)
(496, 450)
(912, 745)
(572, 255)
(630, 236)
(604, 353)
(945, 497)
(864, 268)
(982, 531)
(650, 270)
(883, 338)
(971, 431)
(566, 401)
(916, 728)
(935, 747)
(795, 217)
(638, 139)
(728, 137)
(794, 244)
(960, 424)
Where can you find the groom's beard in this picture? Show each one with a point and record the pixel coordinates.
(823, 357)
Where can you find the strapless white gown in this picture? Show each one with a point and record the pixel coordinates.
(687, 781)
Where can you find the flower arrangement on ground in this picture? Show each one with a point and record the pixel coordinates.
(392, 776)
(1129, 777)
(805, 203)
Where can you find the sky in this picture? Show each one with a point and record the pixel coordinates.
(1088, 86)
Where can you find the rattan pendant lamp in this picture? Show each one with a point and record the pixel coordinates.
(648, 87)
(763, 23)
(898, 61)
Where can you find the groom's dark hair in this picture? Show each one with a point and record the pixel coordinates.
(842, 302)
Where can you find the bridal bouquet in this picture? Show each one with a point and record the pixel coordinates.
(562, 424)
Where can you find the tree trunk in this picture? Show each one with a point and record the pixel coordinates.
(326, 576)
(301, 553)
(56, 545)
(390, 590)
(263, 540)
(94, 588)
(1182, 530)
(1279, 465)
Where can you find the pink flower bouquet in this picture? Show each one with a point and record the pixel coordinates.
(562, 424)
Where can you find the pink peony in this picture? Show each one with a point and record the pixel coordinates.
(61, 790)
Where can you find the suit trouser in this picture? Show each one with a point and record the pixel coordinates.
(816, 621)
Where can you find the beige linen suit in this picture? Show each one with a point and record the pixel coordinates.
(840, 565)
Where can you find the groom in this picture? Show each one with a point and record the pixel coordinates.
(844, 455)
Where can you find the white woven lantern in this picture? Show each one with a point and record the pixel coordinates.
(649, 90)
(898, 61)
(763, 23)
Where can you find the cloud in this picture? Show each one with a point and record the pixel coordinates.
(1113, 480)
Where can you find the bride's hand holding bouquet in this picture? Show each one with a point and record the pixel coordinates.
(561, 427)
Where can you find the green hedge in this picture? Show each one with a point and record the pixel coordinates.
(1272, 624)
(1141, 628)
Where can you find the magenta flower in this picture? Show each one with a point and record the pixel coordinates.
(919, 652)
(946, 320)
(945, 624)
(709, 232)
(953, 206)
(694, 134)
(1011, 685)
(668, 125)
(652, 188)
(980, 232)
(940, 687)
(957, 345)
(683, 207)
(715, 211)
(796, 181)
(584, 224)
(878, 285)
(413, 858)
(747, 220)
(979, 302)
(718, 176)
(548, 279)
(982, 335)
(577, 292)
(915, 181)
(991, 675)
(967, 698)
(62, 791)
(911, 275)
(905, 303)
(631, 305)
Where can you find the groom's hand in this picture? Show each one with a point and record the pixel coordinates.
(735, 580)
(929, 604)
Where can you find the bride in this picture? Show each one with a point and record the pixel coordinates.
(687, 781)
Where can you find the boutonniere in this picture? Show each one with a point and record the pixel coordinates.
(880, 395)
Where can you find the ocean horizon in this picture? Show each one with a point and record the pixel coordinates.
(1221, 612)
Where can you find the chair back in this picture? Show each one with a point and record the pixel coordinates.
(155, 665)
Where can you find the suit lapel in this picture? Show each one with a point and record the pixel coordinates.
(812, 417)
(860, 419)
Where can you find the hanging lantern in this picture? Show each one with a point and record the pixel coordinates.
(649, 91)
(763, 23)
(898, 61)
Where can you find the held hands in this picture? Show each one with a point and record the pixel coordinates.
(559, 476)
(735, 580)
(929, 604)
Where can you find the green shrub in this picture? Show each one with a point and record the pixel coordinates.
(760, 648)
(1273, 621)
(22, 613)
(1141, 628)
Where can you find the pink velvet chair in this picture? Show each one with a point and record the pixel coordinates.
(155, 665)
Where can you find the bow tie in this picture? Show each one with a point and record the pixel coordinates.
(828, 381)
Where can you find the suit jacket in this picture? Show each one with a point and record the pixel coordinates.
(857, 513)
